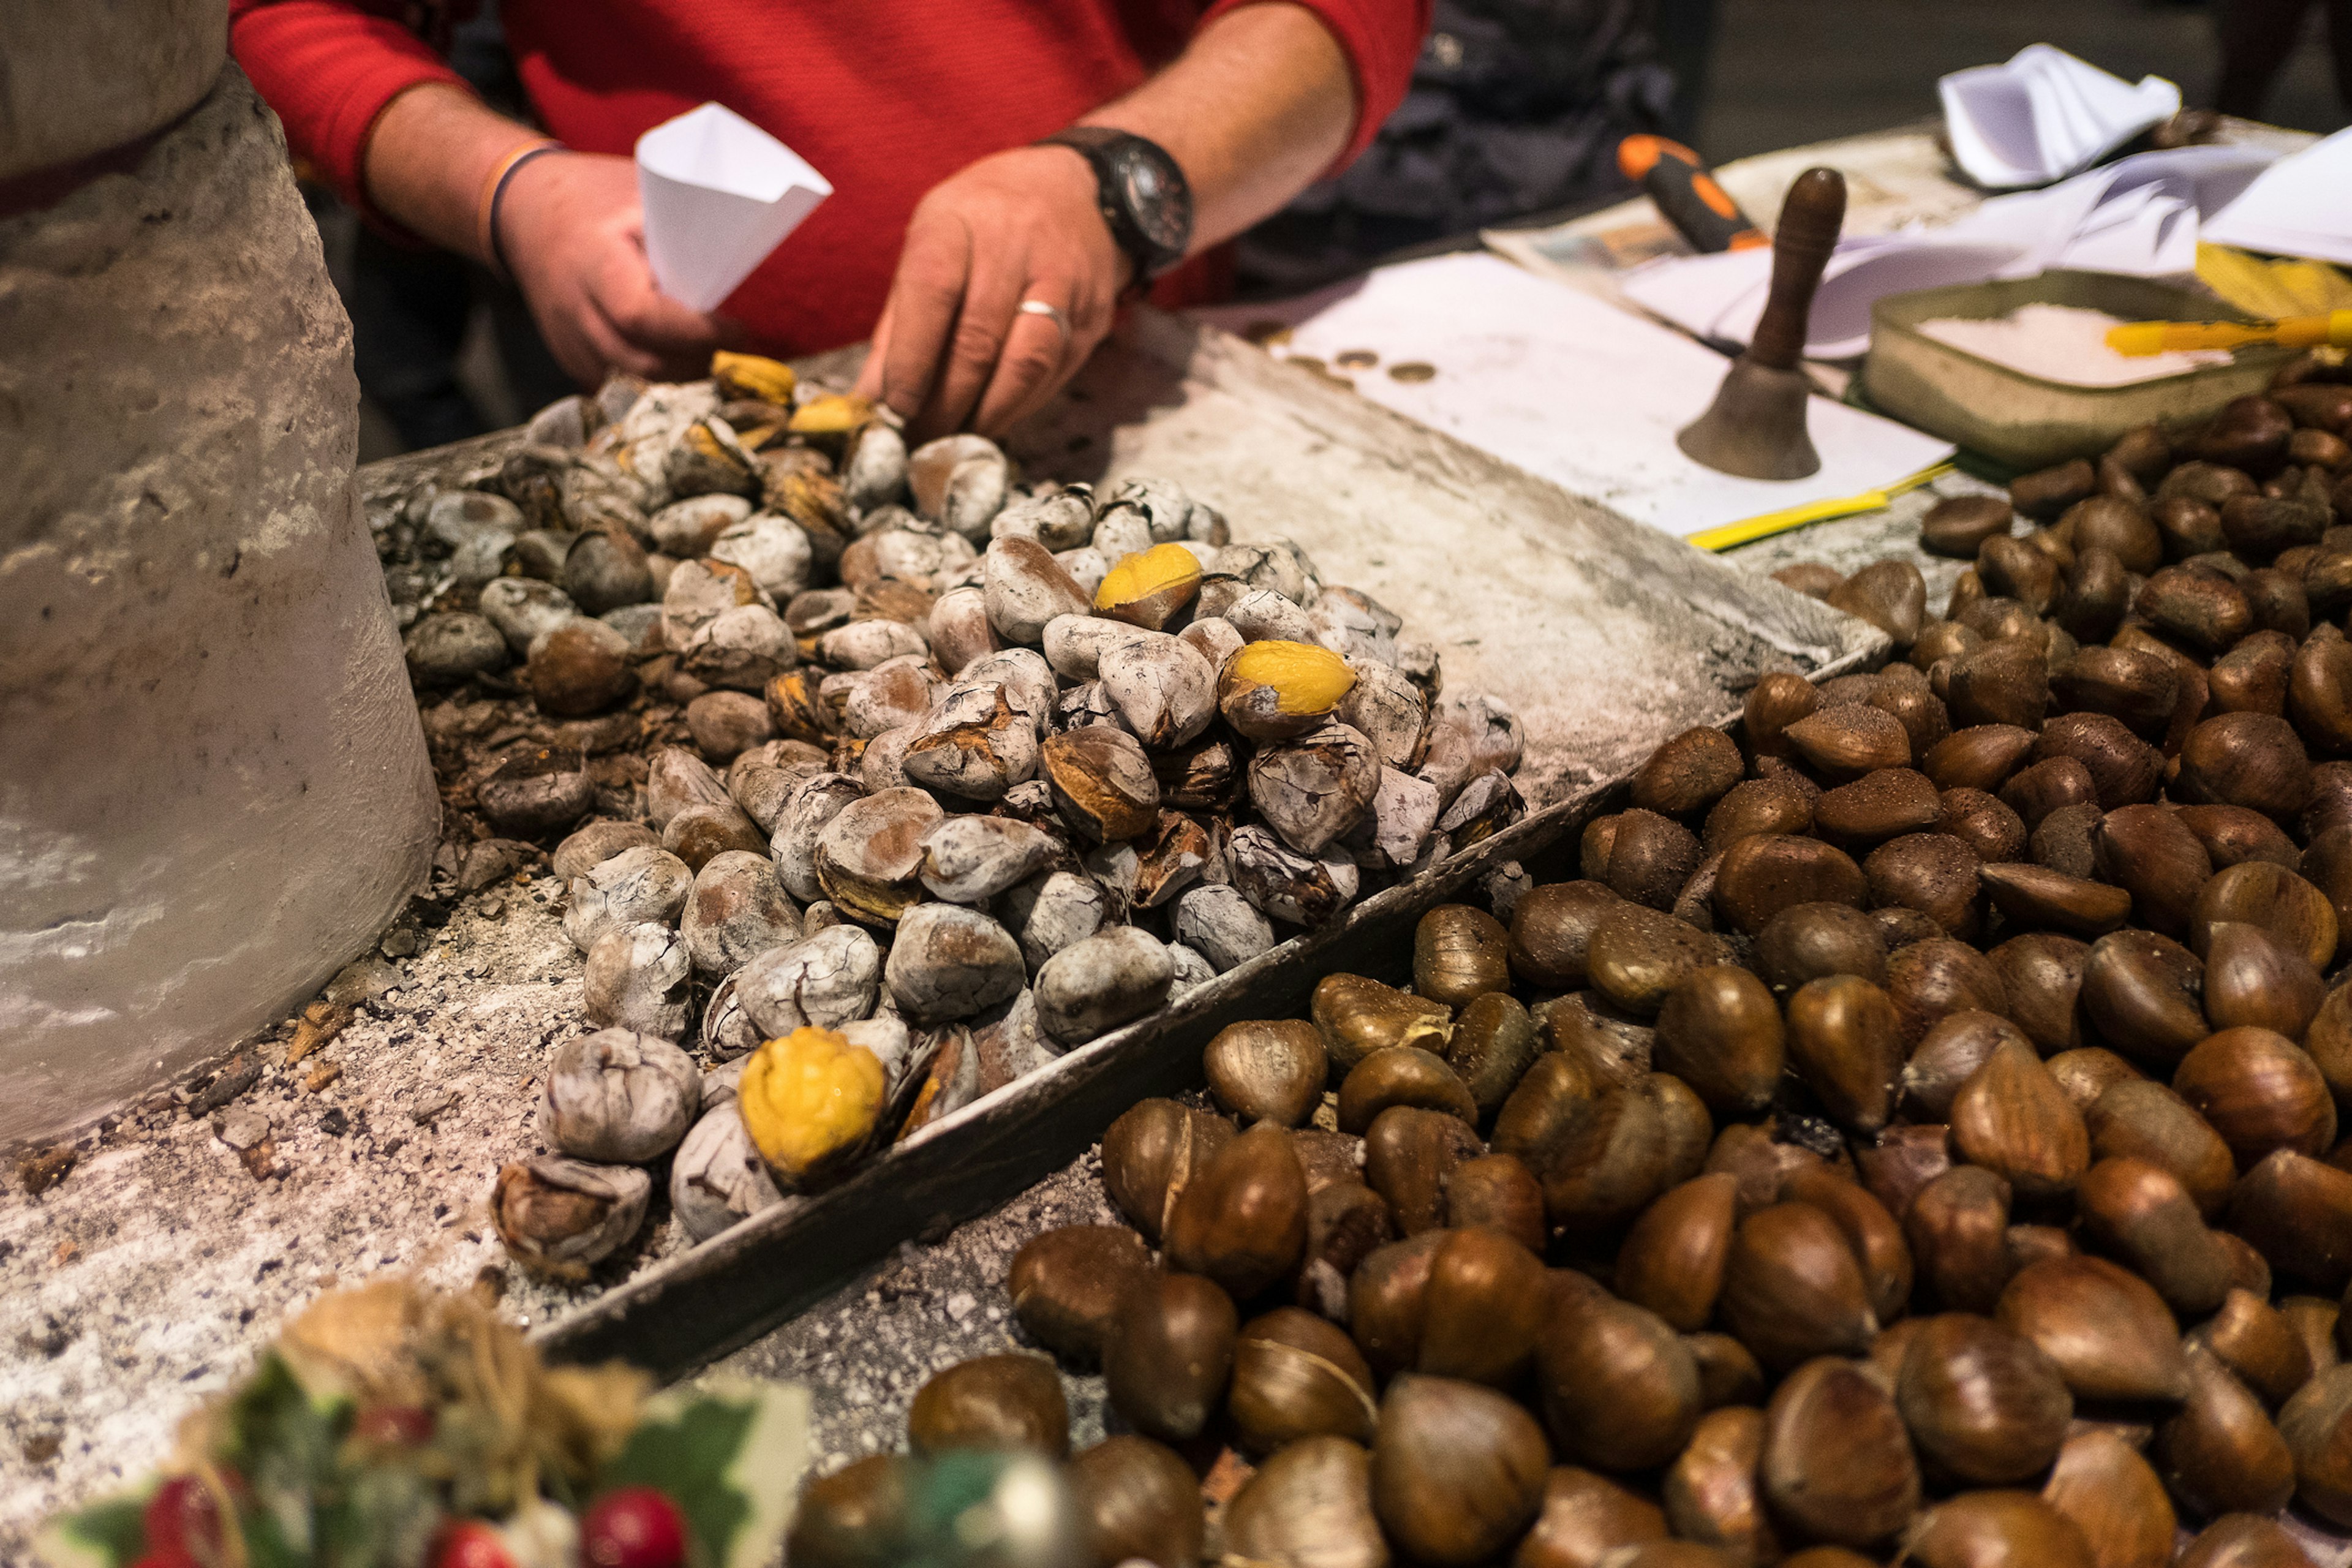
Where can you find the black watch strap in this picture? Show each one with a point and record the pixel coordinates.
(1142, 191)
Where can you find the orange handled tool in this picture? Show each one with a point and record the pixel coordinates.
(1688, 194)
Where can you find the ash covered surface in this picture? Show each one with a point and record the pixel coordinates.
(866, 1352)
(147, 1279)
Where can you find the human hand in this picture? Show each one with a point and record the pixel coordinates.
(953, 348)
(573, 236)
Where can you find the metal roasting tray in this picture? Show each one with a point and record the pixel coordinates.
(1603, 636)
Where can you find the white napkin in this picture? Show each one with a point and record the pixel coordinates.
(2301, 206)
(719, 193)
(2044, 115)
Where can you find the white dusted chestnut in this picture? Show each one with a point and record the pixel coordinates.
(558, 1216)
(1028, 683)
(1102, 781)
(814, 803)
(1059, 519)
(675, 779)
(454, 646)
(699, 832)
(1304, 890)
(1392, 835)
(974, 744)
(698, 593)
(862, 644)
(828, 980)
(1048, 913)
(1120, 535)
(1191, 969)
(959, 628)
(1486, 804)
(959, 481)
(1468, 735)
(718, 1180)
(1390, 711)
(869, 856)
(773, 549)
(896, 691)
(644, 886)
(947, 962)
(598, 842)
(970, 859)
(1204, 524)
(618, 1097)
(523, 608)
(707, 457)
(1264, 615)
(1165, 688)
(1024, 587)
(1355, 625)
(1224, 928)
(736, 911)
(1093, 986)
(1088, 703)
(883, 764)
(762, 791)
(1151, 868)
(637, 978)
(688, 527)
(537, 791)
(728, 1031)
(1074, 645)
(1087, 567)
(1312, 790)
(1216, 640)
(1161, 502)
(741, 649)
(874, 469)
(887, 1038)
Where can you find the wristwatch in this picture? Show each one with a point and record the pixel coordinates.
(1142, 192)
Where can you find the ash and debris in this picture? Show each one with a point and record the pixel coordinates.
(866, 1351)
(186, 1230)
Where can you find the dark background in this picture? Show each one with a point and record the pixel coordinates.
(1517, 108)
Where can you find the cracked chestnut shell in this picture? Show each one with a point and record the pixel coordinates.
(1241, 1221)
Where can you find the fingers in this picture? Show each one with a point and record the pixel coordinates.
(984, 326)
(1038, 355)
(924, 301)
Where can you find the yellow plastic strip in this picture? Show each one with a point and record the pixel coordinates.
(1749, 530)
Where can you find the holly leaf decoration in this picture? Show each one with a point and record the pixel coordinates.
(109, 1534)
(730, 1453)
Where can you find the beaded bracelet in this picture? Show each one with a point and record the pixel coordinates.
(494, 185)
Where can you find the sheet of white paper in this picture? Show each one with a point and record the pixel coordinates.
(2044, 114)
(720, 193)
(1571, 388)
(2140, 216)
(2300, 205)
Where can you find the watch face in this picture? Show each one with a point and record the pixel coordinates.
(1160, 207)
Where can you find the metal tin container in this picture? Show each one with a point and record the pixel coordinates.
(2026, 421)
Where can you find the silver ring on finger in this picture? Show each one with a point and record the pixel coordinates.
(1052, 313)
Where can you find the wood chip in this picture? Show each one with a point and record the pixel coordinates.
(322, 1075)
(321, 1022)
(261, 1159)
(1227, 1476)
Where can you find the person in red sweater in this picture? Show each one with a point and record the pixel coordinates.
(986, 266)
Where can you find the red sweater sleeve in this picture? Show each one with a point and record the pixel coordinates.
(1381, 39)
(329, 67)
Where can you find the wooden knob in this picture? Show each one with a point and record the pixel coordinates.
(1807, 232)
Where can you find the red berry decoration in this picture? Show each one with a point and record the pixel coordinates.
(394, 1426)
(181, 1519)
(168, 1557)
(470, 1544)
(633, 1527)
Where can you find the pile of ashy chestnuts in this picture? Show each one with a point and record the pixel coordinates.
(1005, 768)
(1916, 1139)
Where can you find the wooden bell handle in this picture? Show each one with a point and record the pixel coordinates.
(1807, 232)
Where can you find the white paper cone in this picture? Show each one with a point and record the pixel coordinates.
(720, 193)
